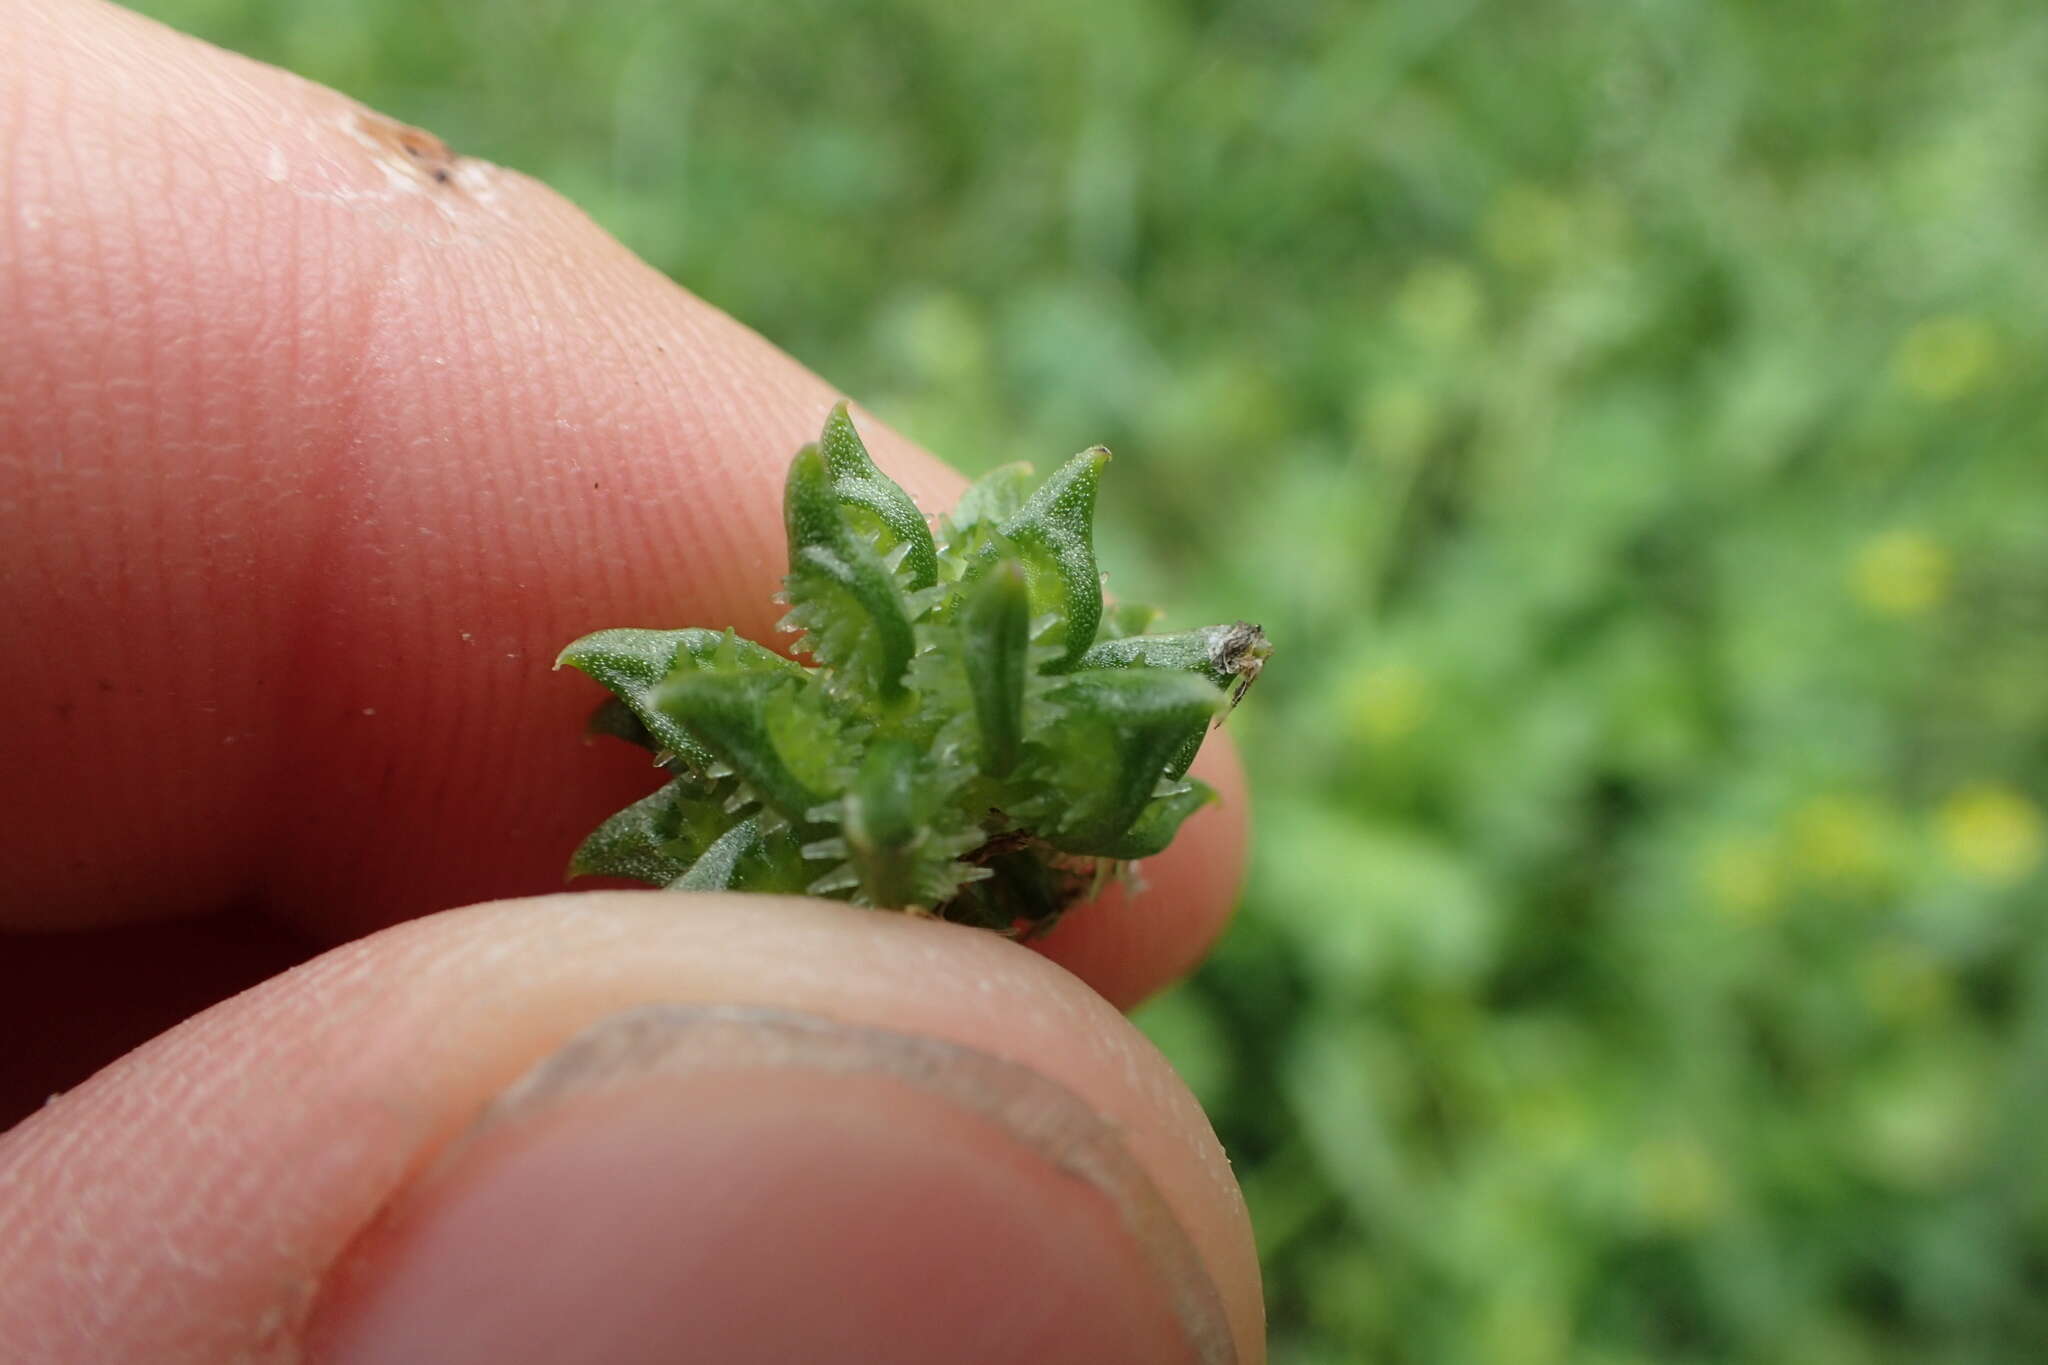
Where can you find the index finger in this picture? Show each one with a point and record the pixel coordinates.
(320, 439)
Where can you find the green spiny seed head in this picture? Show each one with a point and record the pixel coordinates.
(969, 733)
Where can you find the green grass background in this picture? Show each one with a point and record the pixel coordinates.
(1628, 420)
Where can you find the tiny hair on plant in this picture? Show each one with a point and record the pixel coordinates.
(968, 731)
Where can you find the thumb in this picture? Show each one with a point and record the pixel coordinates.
(723, 1129)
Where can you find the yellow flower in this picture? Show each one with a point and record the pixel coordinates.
(1992, 833)
(1441, 302)
(1398, 421)
(1946, 358)
(1386, 704)
(1524, 1324)
(1900, 573)
(1839, 842)
(1742, 879)
(1527, 226)
(1679, 1183)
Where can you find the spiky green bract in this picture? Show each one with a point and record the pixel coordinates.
(634, 664)
(1054, 538)
(858, 484)
(995, 627)
(972, 734)
(1137, 720)
(1229, 656)
(849, 606)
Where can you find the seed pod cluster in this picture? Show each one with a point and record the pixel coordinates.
(969, 732)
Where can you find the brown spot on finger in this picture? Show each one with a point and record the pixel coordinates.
(416, 150)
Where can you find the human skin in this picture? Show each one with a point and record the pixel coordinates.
(316, 441)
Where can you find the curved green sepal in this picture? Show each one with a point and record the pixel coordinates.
(1159, 821)
(1123, 728)
(995, 650)
(634, 663)
(840, 592)
(748, 857)
(739, 717)
(1183, 757)
(718, 869)
(1054, 533)
(1191, 651)
(882, 824)
(858, 482)
(636, 841)
(1230, 656)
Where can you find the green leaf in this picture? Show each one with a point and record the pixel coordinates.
(1121, 729)
(635, 842)
(748, 857)
(840, 592)
(1230, 656)
(903, 830)
(634, 663)
(808, 736)
(718, 869)
(858, 483)
(995, 648)
(1202, 651)
(1159, 821)
(883, 824)
(1054, 533)
(730, 713)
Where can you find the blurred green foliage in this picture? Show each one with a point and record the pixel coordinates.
(1628, 420)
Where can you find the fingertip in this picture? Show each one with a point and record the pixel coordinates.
(203, 1186)
(746, 1186)
(414, 416)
